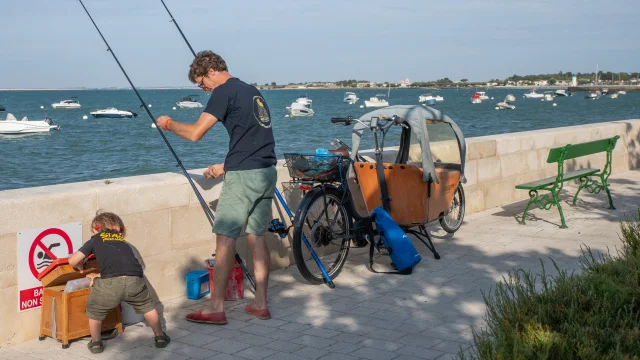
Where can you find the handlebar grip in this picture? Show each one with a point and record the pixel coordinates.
(342, 120)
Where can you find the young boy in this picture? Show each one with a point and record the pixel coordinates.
(120, 279)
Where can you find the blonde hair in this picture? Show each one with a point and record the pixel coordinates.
(108, 220)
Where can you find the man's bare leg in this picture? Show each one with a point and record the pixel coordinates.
(261, 263)
(225, 256)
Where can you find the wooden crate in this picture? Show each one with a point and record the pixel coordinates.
(63, 314)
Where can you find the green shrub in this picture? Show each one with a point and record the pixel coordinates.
(591, 315)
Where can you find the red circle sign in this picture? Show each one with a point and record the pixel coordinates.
(38, 243)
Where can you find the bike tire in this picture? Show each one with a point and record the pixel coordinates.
(453, 227)
(305, 227)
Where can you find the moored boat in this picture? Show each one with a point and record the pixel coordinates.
(112, 113)
(13, 126)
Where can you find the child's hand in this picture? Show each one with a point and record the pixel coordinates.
(92, 277)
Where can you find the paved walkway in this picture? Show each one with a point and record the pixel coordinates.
(427, 315)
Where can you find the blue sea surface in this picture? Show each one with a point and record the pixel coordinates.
(110, 148)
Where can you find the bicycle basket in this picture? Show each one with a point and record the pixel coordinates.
(312, 167)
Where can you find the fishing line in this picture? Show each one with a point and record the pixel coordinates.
(203, 203)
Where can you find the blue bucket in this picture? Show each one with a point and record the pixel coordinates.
(197, 284)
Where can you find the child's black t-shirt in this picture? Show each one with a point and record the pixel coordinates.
(114, 255)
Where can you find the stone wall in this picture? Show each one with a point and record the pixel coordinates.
(168, 229)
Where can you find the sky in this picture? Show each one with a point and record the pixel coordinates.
(52, 43)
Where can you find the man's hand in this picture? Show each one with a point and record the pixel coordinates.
(214, 171)
(162, 121)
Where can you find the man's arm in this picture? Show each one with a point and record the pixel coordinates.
(192, 132)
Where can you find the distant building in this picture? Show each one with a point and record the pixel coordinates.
(405, 82)
(541, 83)
(362, 84)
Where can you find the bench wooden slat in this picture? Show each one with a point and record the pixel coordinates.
(578, 150)
(570, 175)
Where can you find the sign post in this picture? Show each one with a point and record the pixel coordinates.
(37, 249)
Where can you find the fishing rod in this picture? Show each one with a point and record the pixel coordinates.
(203, 203)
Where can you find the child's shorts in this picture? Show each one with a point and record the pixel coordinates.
(108, 293)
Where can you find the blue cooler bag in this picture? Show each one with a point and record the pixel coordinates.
(401, 250)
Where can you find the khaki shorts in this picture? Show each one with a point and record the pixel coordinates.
(108, 293)
(245, 199)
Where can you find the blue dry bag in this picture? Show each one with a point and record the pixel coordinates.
(401, 250)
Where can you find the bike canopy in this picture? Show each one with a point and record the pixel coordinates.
(416, 117)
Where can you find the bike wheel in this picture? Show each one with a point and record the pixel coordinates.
(321, 235)
(453, 220)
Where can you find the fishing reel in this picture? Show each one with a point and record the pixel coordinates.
(278, 227)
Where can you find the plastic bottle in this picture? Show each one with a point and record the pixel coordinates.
(77, 284)
(322, 151)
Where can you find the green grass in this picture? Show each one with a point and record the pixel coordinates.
(591, 315)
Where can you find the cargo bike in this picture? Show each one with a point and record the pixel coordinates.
(421, 185)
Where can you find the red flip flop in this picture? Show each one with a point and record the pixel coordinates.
(218, 318)
(260, 314)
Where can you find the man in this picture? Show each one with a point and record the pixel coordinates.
(249, 176)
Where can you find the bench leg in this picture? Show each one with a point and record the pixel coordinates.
(583, 182)
(557, 203)
(533, 195)
(606, 188)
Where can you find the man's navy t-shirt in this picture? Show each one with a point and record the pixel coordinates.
(244, 113)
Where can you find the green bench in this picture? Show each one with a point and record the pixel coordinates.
(554, 184)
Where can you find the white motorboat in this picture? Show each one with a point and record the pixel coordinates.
(377, 101)
(300, 109)
(67, 104)
(510, 98)
(426, 97)
(548, 96)
(622, 92)
(439, 98)
(350, 98)
(533, 95)
(593, 95)
(614, 96)
(113, 113)
(505, 105)
(13, 126)
(483, 95)
(562, 92)
(189, 102)
(303, 99)
(475, 98)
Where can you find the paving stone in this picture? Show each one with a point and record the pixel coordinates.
(253, 339)
(311, 353)
(451, 347)
(285, 356)
(418, 352)
(313, 341)
(381, 344)
(373, 354)
(166, 355)
(270, 322)
(325, 333)
(255, 353)
(226, 346)
(337, 356)
(295, 327)
(283, 346)
(198, 339)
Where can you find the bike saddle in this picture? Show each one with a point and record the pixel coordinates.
(342, 150)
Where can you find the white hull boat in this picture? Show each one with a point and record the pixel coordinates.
(439, 98)
(350, 98)
(113, 113)
(426, 98)
(622, 92)
(376, 101)
(189, 102)
(300, 110)
(483, 95)
(12, 126)
(510, 98)
(594, 95)
(562, 92)
(504, 106)
(67, 104)
(548, 96)
(614, 96)
(533, 95)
